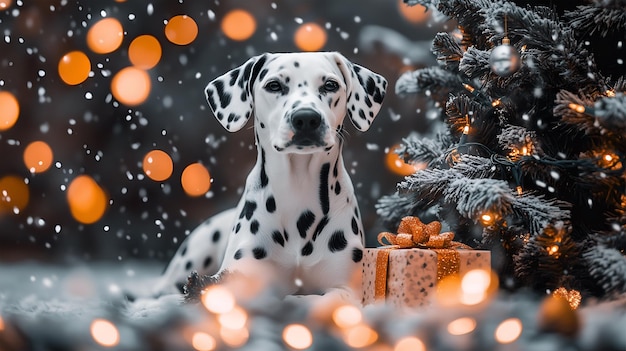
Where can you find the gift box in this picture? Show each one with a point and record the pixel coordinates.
(406, 272)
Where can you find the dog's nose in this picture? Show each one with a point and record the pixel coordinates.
(306, 120)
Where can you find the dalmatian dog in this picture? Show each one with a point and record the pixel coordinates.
(298, 213)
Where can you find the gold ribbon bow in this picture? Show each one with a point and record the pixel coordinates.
(412, 233)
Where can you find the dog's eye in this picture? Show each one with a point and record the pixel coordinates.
(330, 86)
(273, 86)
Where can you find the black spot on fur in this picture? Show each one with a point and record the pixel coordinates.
(362, 114)
(184, 251)
(188, 265)
(254, 226)
(286, 235)
(337, 188)
(222, 94)
(233, 77)
(207, 262)
(337, 241)
(357, 97)
(355, 226)
(259, 253)
(248, 210)
(243, 96)
(216, 236)
(238, 227)
(357, 255)
(305, 222)
(262, 125)
(256, 67)
(296, 64)
(337, 102)
(320, 226)
(263, 178)
(307, 249)
(263, 73)
(238, 254)
(270, 204)
(323, 191)
(278, 238)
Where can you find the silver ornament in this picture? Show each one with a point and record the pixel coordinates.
(504, 60)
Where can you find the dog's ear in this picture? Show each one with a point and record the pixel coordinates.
(230, 95)
(365, 91)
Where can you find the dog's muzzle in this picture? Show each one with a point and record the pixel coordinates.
(307, 128)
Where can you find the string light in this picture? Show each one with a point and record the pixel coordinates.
(487, 219)
(105, 333)
(576, 107)
(462, 326)
(297, 336)
(496, 102)
(519, 190)
(203, 342)
(610, 93)
(573, 297)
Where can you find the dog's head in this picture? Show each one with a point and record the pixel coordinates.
(299, 99)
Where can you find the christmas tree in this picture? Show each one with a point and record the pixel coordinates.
(530, 163)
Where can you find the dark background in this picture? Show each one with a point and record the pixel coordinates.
(148, 219)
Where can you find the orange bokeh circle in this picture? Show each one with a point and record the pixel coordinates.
(131, 86)
(86, 199)
(144, 52)
(196, 180)
(397, 165)
(310, 37)
(158, 165)
(9, 110)
(413, 14)
(74, 67)
(38, 156)
(14, 194)
(238, 25)
(181, 30)
(105, 36)
(5, 4)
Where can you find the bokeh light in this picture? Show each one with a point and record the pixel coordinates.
(397, 165)
(86, 199)
(347, 316)
(203, 342)
(360, 336)
(236, 318)
(14, 194)
(196, 180)
(413, 14)
(9, 110)
(104, 332)
(297, 336)
(508, 331)
(181, 30)
(158, 165)
(410, 343)
(310, 37)
(74, 67)
(475, 286)
(38, 156)
(144, 52)
(105, 36)
(218, 299)
(5, 4)
(238, 25)
(131, 86)
(234, 338)
(461, 326)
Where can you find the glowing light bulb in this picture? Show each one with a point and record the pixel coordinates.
(158, 165)
(86, 199)
(410, 343)
(519, 190)
(144, 52)
(576, 107)
(487, 219)
(196, 180)
(131, 86)
(105, 36)
(38, 157)
(360, 336)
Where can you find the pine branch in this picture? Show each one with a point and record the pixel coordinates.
(611, 112)
(433, 79)
(602, 18)
(474, 197)
(429, 151)
(447, 51)
(608, 267)
(579, 120)
(475, 63)
(539, 211)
